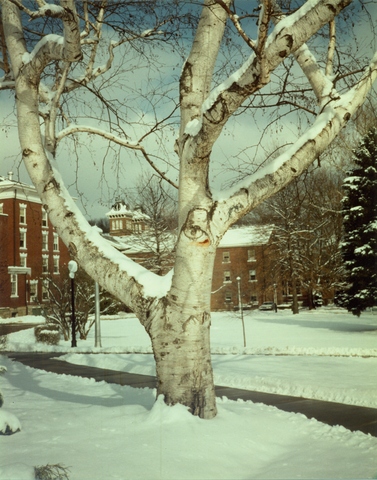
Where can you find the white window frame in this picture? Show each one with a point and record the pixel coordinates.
(23, 213)
(226, 257)
(45, 241)
(251, 255)
(33, 284)
(56, 242)
(252, 273)
(228, 297)
(44, 264)
(227, 278)
(23, 259)
(23, 232)
(1, 208)
(13, 285)
(44, 218)
(56, 270)
(45, 294)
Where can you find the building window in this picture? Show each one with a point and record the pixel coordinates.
(253, 300)
(251, 255)
(1, 208)
(22, 237)
(227, 276)
(44, 240)
(22, 213)
(44, 218)
(56, 242)
(252, 275)
(228, 297)
(44, 263)
(45, 294)
(23, 257)
(226, 257)
(13, 285)
(56, 263)
(118, 224)
(34, 291)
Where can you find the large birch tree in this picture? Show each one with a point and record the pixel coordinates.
(50, 51)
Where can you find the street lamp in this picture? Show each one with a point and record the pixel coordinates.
(72, 267)
(97, 319)
(241, 309)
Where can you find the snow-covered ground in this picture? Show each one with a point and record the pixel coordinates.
(113, 432)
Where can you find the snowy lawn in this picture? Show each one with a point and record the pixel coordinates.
(107, 431)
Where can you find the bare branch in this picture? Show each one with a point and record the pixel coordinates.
(118, 140)
(235, 20)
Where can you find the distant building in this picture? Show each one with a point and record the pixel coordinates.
(30, 249)
(244, 252)
(244, 266)
(124, 221)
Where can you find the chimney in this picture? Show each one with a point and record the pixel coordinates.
(10, 176)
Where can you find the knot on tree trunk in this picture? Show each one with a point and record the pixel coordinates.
(196, 227)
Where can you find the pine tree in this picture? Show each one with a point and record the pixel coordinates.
(359, 249)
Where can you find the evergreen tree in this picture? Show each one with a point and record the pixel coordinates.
(359, 248)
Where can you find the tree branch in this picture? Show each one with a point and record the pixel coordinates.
(118, 140)
(248, 193)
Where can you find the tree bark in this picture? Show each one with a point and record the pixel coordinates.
(179, 329)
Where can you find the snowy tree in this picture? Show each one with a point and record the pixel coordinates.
(59, 61)
(359, 248)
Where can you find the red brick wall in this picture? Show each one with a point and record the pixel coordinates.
(10, 250)
(4, 276)
(253, 291)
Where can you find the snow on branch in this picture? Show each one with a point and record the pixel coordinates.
(288, 36)
(45, 10)
(277, 174)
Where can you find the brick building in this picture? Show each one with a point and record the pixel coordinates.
(30, 249)
(124, 221)
(244, 265)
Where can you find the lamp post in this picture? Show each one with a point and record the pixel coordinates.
(241, 309)
(72, 267)
(97, 319)
(275, 298)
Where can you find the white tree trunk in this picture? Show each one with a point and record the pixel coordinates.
(180, 328)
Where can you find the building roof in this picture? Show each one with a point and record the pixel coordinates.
(247, 236)
(121, 209)
(140, 243)
(8, 187)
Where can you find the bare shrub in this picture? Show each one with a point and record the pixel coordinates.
(51, 472)
(48, 334)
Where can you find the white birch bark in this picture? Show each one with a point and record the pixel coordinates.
(179, 321)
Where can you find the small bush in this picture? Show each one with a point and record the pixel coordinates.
(51, 472)
(48, 334)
